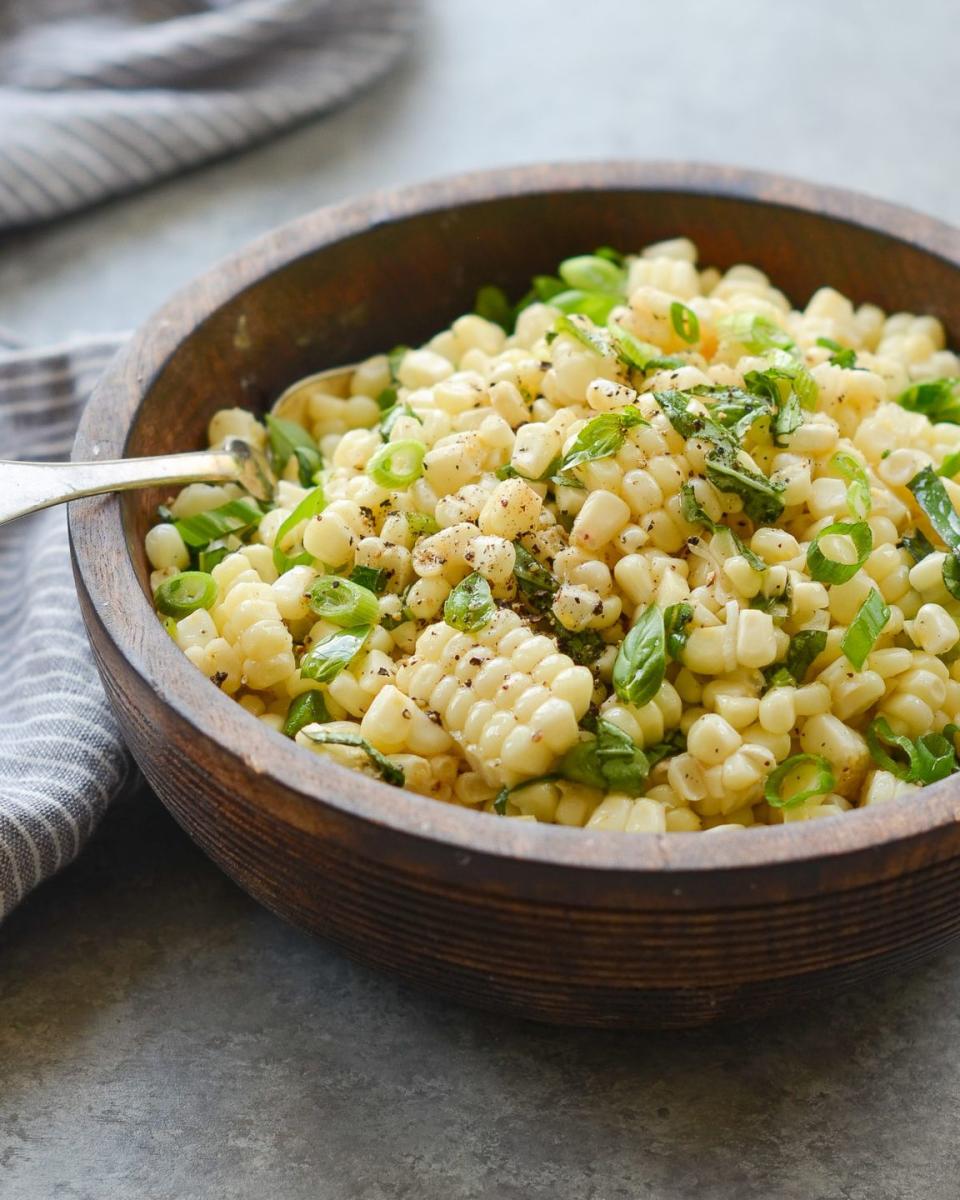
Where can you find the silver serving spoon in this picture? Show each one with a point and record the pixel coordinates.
(26, 487)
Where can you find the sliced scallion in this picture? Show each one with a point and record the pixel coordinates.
(865, 628)
(858, 491)
(389, 771)
(183, 594)
(829, 570)
(592, 273)
(931, 495)
(821, 784)
(329, 656)
(236, 516)
(343, 602)
(397, 464)
(686, 324)
(312, 504)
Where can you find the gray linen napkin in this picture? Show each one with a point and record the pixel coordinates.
(61, 757)
(98, 97)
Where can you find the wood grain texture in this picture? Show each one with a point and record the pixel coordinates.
(546, 922)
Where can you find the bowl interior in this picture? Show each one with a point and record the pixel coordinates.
(342, 284)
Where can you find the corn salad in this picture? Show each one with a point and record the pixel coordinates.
(649, 550)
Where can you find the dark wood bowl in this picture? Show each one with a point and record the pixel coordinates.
(541, 921)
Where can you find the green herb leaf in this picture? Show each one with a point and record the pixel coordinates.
(611, 761)
(593, 273)
(328, 657)
(937, 399)
(392, 415)
(760, 495)
(685, 322)
(395, 359)
(421, 524)
(821, 785)
(470, 606)
(585, 332)
(492, 304)
(389, 770)
(638, 355)
(306, 709)
(287, 440)
(312, 504)
(951, 574)
(689, 423)
(374, 579)
(237, 516)
(676, 618)
(790, 388)
(865, 628)
(841, 356)
(950, 466)
(757, 334)
(805, 647)
(641, 662)
(829, 570)
(182, 594)
(533, 578)
(859, 501)
(931, 495)
(917, 545)
(387, 399)
(601, 437)
(735, 409)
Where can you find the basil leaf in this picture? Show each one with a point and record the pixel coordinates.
(950, 466)
(760, 495)
(585, 332)
(932, 497)
(676, 618)
(306, 510)
(805, 646)
(611, 761)
(641, 662)
(735, 409)
(492, 304)
(584, 647)
(951, 574)
(533, 578)
(641, 356)
(917, 545)
(692, 511)
(822, 784)
(859, 501)
(387, 399)
(288, 440)
(865, 628)
(374, 579)
(937, 399)
(676, 408)
(789, 388)
(470, 605)
(389, 770)
(830, 570)
(757, 334)
(236, 516)
(306, 709)
(685, 322)
(329, 656)
(841, 356)
(602, 437)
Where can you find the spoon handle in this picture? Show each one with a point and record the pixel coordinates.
(28, 486)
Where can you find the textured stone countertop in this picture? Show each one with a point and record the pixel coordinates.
(164, 1038)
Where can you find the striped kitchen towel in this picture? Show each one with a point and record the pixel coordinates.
(99, 97)
(61, 757)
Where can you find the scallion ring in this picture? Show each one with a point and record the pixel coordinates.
(343, 602)
(828, 570)
(183, 594)
(822, 784)
(397, 464)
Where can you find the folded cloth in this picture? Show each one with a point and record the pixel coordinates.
(61, 755)
(98, 97)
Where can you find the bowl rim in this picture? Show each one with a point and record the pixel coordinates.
(140, 639)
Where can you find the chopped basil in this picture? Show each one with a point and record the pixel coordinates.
(757, 334)
(937, 399)
(859, 501)
(236, 516)
(950, 466)
(685, 322)
(760, 495)
(306, 709)
(389, 770)
(841, 356)
(470, 606)
(329, 656)
(387, 399)
(533, 578)
(421, 523)
(601, 437)
(829, 570)
(676, 618)
(821, 784)
(289, 440)
(805, 646)
(951, 574)
(611, 761)
(735, 409)
(585, 332)
(492, 304)
(641, 661)
(865, 628)
(931, 495)
(917, 545)
(638, 355)
(689, 423)
(313, 503)
(790, 388)
(374, 579)
(928, 759)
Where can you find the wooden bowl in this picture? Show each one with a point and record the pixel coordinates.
(540, 921)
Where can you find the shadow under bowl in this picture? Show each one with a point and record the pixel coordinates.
(539, 921)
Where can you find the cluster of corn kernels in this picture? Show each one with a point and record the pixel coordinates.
(467, 714)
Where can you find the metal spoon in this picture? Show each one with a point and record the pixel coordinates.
(26, 487)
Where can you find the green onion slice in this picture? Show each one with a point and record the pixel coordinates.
(306, 709)
(930, 758)
(676, 618)
(828, 570)
(756, 333)
(334, 652)
(397, 464)
(841, 356)
(642, 659)
(937, 399)
(859, 500)
(865, 628)
(592, 273)
(492, 304)
(182, 594)
(470, 606)
(685, 322)
(343, 602)
(822, 783)
(421, 524)
(236, 516)
(374, 579)
(931, 495)
(596, 305)
(950, 466)
(585, 332)
(289, 440)
(313, 503)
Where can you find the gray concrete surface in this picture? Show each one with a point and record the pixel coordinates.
(163, 1038)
